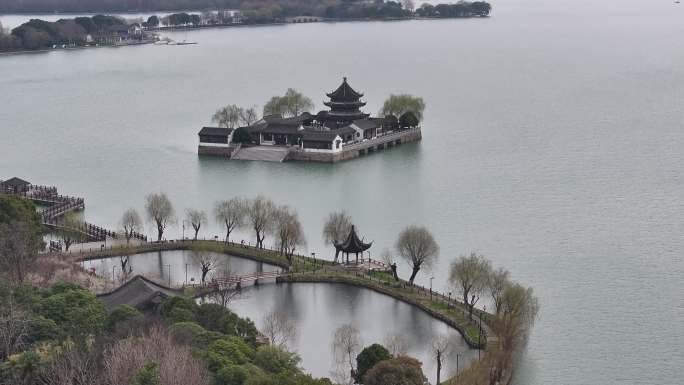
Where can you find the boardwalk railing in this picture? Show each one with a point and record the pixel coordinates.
(60, 205)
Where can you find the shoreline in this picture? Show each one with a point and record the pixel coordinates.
(236, 25)
(306, 270)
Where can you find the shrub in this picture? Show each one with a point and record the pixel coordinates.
(122, 314)
(231, 375)
(275, 360)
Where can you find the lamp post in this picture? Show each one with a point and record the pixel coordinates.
(313, 255)
(186, 274)
(113, 277)
(457, 357)
(431, 278)
(169, 267)
(183, 236)
(479, 339)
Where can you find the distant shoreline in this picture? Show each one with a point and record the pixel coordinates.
(233, 25)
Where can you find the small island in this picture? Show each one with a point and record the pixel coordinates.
(288, 132)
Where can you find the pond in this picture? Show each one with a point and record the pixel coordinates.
(320, 308)
(176, 267)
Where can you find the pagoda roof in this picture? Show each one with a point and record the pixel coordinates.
(345, 92)
(353, 244)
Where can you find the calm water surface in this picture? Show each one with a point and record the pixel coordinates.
(319, 309)
(553, 143)
(170, 266)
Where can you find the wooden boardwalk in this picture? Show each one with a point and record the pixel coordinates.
(57, 206)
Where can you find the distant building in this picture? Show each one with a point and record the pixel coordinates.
(344, 123)
(342, 132)
(14, 186)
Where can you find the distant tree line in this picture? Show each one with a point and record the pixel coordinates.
(37, 34)
(264, 11)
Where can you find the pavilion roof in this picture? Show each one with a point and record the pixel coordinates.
(345, 92)
(353, 244)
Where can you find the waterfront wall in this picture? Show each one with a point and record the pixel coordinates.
(358, 149)
(215, 150)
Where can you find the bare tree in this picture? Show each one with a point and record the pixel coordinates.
(131, 223)
(14, 327)
(223, 294)
(260, 216)
(71, 230)
(206, 261)
(19, 247)
(231, 213)
(418, 248)
(497, 282)
(441, 347)
(388, 259)
(346, 345)
(160, 211)
(396, 345)
(71, 365)
(177, 364)
(196, 218)
(249, 116)
(279, 328)
(126, 268)
(228, 116)
(289, 231)
(337, 228)
(470, 275)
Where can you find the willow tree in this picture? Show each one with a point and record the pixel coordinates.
(513, 323)
(288, 230)
(398, 105)
(231, 213)
(228, 116)
(337, 228)
(293, 103)
(470, 275)
(260, 216)
(131, 224)
(418, 248)
(160, 211)
(196, 218)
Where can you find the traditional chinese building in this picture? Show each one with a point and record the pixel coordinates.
(342, 132)
(352, 245)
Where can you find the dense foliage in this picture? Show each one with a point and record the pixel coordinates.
(37, 34)
(44, 332)
(368, 358)
(259, 11)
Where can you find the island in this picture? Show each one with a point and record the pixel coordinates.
(103, 30)
(340, 133)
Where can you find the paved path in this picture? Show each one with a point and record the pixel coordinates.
(263, 153)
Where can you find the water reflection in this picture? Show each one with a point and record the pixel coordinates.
(319, 309)
(176, 266)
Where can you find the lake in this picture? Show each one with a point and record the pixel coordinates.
(552, 143)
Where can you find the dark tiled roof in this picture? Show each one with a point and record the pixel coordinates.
(15, 182)
(353, 244)
(314, 135)
(139, 292)
(215, 131)
(368, 123)
(345, 92)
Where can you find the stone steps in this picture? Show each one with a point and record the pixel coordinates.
(262, 153)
